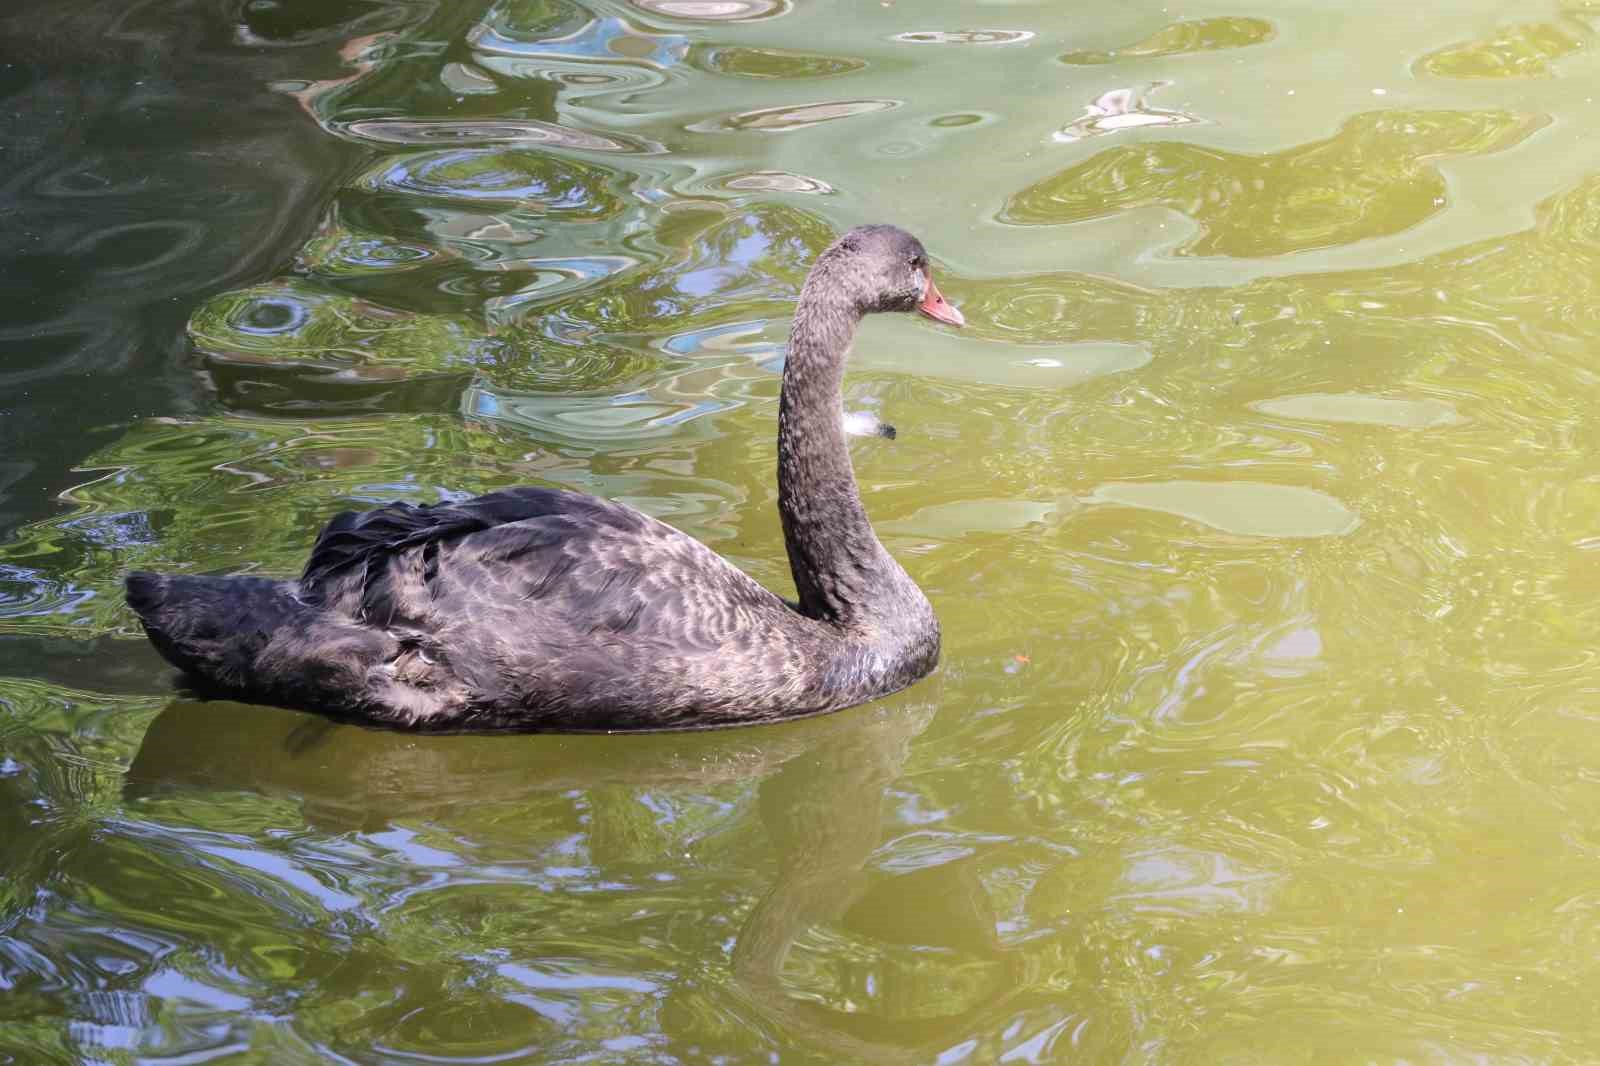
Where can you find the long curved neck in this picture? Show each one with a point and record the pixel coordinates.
(843, 575)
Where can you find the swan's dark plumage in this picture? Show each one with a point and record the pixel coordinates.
(536, 608)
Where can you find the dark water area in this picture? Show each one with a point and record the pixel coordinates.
(130, 198)
(1257, 501)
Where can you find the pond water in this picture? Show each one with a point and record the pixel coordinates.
(1259, 501)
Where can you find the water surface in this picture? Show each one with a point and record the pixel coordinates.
(1258, 501)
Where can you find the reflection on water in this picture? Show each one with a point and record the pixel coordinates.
(1353, 407)
(777, 181)
(1248, 508)
(714, 10)
(1182, 38)
(1267, 718)
(1119, 109)
(523, 181)
(1526, 51)
(782, 119)
(1375, 177)
(565, 928)
(965, 37)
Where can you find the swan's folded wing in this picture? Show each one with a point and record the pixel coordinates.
(627, 623)
(572, 581)
(354, 552)
(529, 567)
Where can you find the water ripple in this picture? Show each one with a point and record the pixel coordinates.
(1121, 109)
(798, 117)
(560, 188)
(965, 36)
(1315, 195)
(1529, 50)
(715, 10)
(424, 132)
(1188, 37)
(777, 181)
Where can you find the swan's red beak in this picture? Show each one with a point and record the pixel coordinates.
(936, 307)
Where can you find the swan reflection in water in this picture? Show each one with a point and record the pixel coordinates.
(739, 863)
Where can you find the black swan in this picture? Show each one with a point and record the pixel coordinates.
(538, 609)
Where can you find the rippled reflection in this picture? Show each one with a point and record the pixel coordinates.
(965, 37)
(1526, 51)
(588, 914)
(298, 326)
(602, 59)
(1378, 175)
(413, 132)
(1183, 38)
(539, 183)
(784, 119)
(770, 62)
(778, 181)
(1370, 410)
(714, 10)
(1243, 507)
(1120, 109)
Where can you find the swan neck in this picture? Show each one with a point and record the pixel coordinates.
(842, 573)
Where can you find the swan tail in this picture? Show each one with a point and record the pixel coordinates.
(251, 635)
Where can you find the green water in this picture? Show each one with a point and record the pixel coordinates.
(1259, 501)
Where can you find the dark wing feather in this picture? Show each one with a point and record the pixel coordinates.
(567, 611)
(354, 551)
(573, 575)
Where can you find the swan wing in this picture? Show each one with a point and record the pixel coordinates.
(532, 564)
(342, 560)
(538, 605)
(626, 623)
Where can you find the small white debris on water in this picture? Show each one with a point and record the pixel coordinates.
(1380, 92)
(861, 424)
(1048, 363)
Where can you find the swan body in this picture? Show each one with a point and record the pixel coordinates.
(540, 609)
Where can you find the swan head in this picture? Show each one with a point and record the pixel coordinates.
(884, 268)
